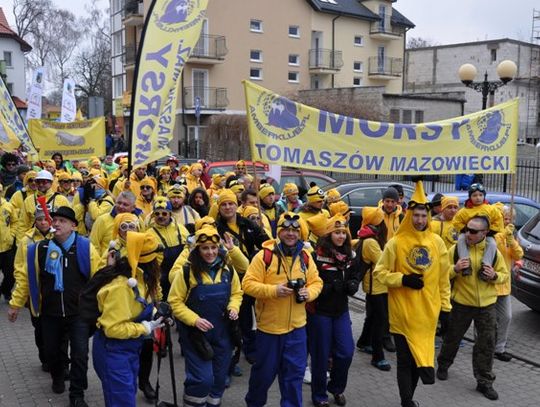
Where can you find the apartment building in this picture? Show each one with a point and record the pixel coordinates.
(435, 69)
(283, 45)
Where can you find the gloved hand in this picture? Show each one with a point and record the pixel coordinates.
(151, 326)
(337, 285)
(443, 318)
(351, 287)
(413, 281)
(509, 230)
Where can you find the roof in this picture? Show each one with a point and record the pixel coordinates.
(7, 32)
(355, 8)
(19, 104)
(475, 43)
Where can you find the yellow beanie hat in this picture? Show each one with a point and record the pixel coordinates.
(237, 187)
(317, 224)
(332, 195)
(217, 179)
(247, 211)
(164, 169)
(226, 196)
(294, 219)
(29, 175)
(102, 182)
(76, 176)
(315, 194)
(339, 207)
(449, 200)
(205, 222)
(141, 248)
(290, 189)
(205, 234)
(337, 222)
(123, 218)
(177, 191)
(265, 190)
(372, 215)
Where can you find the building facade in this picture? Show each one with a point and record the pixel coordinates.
(435, 69)
(12, 60)
(284, 45)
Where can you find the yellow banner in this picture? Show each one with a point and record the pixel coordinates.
(14, 121)
(288, 133)
(75, 140)
(171, 31)
(8, 139)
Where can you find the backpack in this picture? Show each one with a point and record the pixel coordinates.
(269, 254)
(88, 303)
(363, 266)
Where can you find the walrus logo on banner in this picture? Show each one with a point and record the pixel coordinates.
(490, 132)
(173, 15)
(419, 258)
(279, 117)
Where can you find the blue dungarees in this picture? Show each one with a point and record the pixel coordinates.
(116, 361)
(205, 380)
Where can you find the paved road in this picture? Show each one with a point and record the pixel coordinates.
(23, 384)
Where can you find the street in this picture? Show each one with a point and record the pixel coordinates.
(24, 384)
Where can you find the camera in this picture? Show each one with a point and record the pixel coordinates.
(296, 285)
(163, 310)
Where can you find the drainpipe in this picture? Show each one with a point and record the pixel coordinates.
(183, 119)
(333, 43)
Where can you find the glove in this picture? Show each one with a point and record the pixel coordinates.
(151, 326)
(509, 230)
(443, 318)
(351, 287)
(413, 281)
(337, 285)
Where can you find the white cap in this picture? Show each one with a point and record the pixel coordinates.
(44, 174)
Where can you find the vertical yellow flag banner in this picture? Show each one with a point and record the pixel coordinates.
(171, 31)
(8, 139)
(14, 120)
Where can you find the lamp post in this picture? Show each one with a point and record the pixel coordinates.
(506, 70)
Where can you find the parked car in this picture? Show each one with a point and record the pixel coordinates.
(526, 280)
(525, 208)
(358, 194)
(288, 175)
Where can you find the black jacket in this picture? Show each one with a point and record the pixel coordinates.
(250, 236)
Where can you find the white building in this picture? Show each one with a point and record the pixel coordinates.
(12, 50)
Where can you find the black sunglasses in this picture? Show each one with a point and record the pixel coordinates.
(473, 231)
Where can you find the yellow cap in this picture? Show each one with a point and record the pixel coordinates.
(237, 187)
(226, 196)
(265, 190)
(315, 194)
(337, 222)
(290, 189)
(332, 195)
(177, 191)
(449, 200)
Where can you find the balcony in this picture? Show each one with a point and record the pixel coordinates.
(385, 30)
(325, 61)
(209, 50)
(210, 98)
(133, 13)
(130, 57)
(385, 68)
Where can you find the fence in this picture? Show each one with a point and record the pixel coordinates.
(527, 180)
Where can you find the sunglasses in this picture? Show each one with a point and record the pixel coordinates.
(205, 238)
(11, 164)
(473, 231)
(161, 213)
(67, 180)
(31, 180)
(43, 181)
(291, 221)
(254, 217)
(126, 227)
(146, 187)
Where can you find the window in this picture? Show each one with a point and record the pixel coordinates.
(358, 66)
(358, 41)
(256, 26)
(493, 55)
(294, 77)
(407, 117)
(7, 58)
(256, 74)
(294, 59)
(394, 116)
(255, 55)
(118, 86)
(419, 116)
(357, 81)
(329, 1)
(294, 31)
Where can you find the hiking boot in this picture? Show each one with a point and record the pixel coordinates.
(383, 365)
(442, 374)
(488, 391)
(148, 391)
(388, 344)
(58, 385)
(340, 399)
(78, 402)
(503, 356)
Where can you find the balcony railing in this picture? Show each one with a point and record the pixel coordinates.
(133, 8)
(130, 55)
(379, 66)
(210, 98)
(210, 46)
(384, 26)
(325, 59)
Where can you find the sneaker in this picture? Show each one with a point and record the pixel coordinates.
(366, 349)
(78, 402)
(442, 374)
(237, 371)
(383, 365)
(321, 404)
(503, 356)
(307, 376)
(388, 344)
(411, 403)
(488, 391)
(340, 399)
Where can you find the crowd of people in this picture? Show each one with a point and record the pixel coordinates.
(234, 268)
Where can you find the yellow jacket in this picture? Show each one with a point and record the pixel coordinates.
(168, 236)
(446, 230)
(471, 290)
(17, 203)
(510, 253)
(135, 185)
(235, 257)
(95, 209)
(371, 253)
(7, 231)
(144, 205)
(279, 315)
(102, 231)
(193, 183)
(118, 307)
(179, 294)
(19, 296)
(29, 209)
(186, 215)
(491, 212)
(392, 221)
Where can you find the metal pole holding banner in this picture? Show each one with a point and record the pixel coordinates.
(198, 118)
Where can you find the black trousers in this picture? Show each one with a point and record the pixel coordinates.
(145, 361)
(407, 371)
(53, 332)
(6, 264)
(375, 324)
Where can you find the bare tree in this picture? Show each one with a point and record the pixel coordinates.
(418, 42)
(27, 13)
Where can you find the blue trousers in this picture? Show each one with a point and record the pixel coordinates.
(205, 380)
(116, 362)
(329, 337)
(282, 355)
